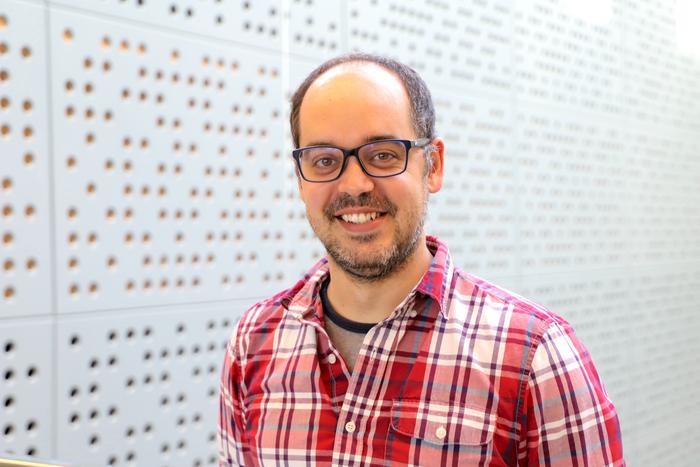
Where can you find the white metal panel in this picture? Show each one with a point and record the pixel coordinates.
(168, 167)
(26, 387)
(25, 229)
(142, 388)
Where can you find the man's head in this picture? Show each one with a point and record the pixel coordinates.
(370, 226)
(422, 112)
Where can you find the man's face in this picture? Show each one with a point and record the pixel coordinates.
(347, 106)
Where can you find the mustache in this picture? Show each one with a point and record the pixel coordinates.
(365, 200)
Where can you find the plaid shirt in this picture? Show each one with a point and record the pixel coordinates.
(461, 373)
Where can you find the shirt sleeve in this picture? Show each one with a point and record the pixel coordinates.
(231, 418)
(569, 418)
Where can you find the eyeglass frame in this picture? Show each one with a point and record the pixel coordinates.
(407, 143)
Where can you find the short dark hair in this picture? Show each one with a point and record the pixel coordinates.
(422, 110)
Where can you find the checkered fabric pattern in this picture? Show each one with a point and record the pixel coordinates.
(461, 373)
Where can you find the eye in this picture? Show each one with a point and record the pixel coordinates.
(324, 162)
(384, 156)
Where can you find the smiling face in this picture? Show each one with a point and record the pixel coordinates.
(370, 226)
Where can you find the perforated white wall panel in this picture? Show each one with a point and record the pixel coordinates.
(147, 197)
(25, 271)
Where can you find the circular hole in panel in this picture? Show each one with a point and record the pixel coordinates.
(130, 382)
(67, 35)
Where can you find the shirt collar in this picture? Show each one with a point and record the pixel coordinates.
(302, 299)
(437, 280)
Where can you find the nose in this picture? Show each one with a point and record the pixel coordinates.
(354, 181)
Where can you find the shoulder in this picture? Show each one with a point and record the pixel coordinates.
(501, 308)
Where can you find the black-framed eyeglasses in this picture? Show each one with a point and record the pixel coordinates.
(380, 159)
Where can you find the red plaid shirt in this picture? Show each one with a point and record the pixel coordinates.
(461, 373)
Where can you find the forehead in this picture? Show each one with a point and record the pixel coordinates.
(353, 102)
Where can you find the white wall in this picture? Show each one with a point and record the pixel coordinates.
(147, 197)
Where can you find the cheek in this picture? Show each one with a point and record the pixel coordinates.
(314, 198)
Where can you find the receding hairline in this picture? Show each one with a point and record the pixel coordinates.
(422, 112)
(356, 64)
(344, 68)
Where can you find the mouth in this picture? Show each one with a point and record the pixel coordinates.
(361, 217)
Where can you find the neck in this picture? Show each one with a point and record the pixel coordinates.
(371, 302)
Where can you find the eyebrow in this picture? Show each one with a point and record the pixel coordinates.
(370, 139)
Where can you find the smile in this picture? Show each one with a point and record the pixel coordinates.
(360, 218)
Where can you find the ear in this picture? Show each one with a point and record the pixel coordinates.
(438, 167)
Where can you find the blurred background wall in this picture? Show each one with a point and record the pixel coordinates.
(147, 197)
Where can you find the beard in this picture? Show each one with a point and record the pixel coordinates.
(371, 266)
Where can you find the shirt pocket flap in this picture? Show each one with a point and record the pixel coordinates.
(442, 423)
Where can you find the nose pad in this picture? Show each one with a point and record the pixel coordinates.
(354, 180)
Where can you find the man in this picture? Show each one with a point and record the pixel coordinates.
(385, 353)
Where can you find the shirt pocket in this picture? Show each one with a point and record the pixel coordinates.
(439, 433)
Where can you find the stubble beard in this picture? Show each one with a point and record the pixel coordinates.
(371, 266)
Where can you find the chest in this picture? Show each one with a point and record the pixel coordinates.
(418, 392)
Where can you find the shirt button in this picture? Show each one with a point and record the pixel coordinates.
(413, 313)
(440, 433)
(332, 359)
(350, 427)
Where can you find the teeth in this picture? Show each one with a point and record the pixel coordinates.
(359, 218)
